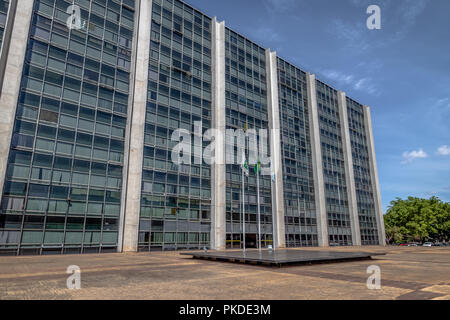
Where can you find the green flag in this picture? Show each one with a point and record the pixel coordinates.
(258, 167)
(244, 164)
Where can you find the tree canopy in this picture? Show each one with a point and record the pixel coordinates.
(418, 219)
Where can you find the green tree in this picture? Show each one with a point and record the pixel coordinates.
(417, 219)
(394, 234)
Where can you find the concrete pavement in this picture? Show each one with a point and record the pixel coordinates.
(406, 273)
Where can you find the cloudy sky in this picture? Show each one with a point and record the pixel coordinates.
(402, 71)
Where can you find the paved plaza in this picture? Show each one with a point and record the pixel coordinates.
(406, 273)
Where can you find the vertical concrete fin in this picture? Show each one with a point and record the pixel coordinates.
(349, 173)
(136, 143)
(316, 152)
(12, 76)
(7, 34)
(218, 168)
(279, 233)
(374, 176)
(127, 149)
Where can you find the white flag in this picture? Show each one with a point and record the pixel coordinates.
(244, 165)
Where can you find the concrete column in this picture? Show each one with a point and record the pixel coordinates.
(136, 143)
(4, 49)
(17, 43)
(218, 167)
(374, 176)
(127, 149)
(317, 164)
(273, 108)
(349, 170)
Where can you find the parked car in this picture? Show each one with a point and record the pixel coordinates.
(412, 244)
(427, 244)
(333, 244)
(403, 245)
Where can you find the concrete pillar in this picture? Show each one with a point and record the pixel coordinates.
(349, 170)
(374, 176)
(136, 143)
(127, 149)
(17, 43)
(4, 49)
(273, 108)
(317, 164)
(218, 167)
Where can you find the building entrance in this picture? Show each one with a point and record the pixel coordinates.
(251, 241)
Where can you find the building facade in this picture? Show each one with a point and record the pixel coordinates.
(93, 94)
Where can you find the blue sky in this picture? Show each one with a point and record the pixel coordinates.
(402, 71)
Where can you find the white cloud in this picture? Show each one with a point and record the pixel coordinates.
(444, 151)
(338, 76)
(360, 84)
(443, 102)
(409, 157)
(365, 84)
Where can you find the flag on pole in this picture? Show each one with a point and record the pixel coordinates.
(244, 164)
(272, 172)
(258, 167)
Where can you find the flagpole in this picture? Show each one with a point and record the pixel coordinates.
(259, 209)
(243, 205)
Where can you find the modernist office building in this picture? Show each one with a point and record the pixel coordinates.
(86, 120)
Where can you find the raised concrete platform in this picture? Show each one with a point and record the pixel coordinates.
(282, 256)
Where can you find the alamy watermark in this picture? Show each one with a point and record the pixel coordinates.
(374, 281)
(374, 21)
(189, 147)
(74, 280)
(74, 21)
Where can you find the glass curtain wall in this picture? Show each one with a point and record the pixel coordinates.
(361, 168)
(339, 227)
(64, 178)
(176, 199)
(246, 108)
(299, 199)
